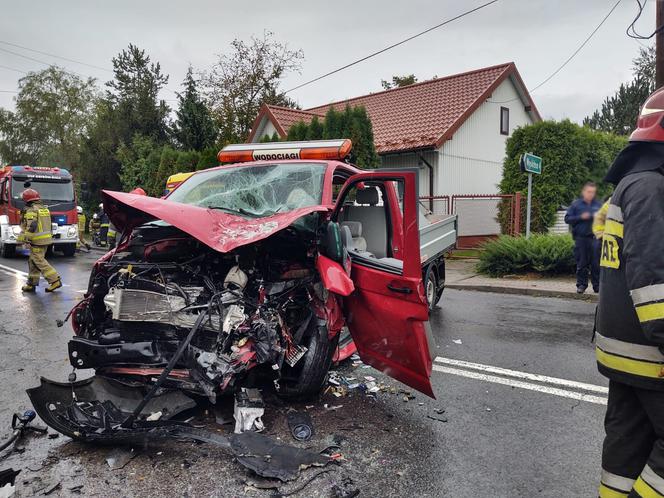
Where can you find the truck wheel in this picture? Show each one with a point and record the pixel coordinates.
(431, 287)
(8, 250)
(441, 281)
(69, 250)
(306, 378)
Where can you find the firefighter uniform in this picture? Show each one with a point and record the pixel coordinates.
(104, 225)
(82, 222)
(599, 221)
(36, 232)
(630, 318)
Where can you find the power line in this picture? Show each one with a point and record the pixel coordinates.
(33, 59)
(392, 46)
(13, 69)
(8, 91)
(64, 58)
(569, 59)
(56, 56)
(631, 29)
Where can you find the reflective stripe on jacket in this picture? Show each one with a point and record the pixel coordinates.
(36, 225)
(630, 318)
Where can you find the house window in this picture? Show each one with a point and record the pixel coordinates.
(504, 121)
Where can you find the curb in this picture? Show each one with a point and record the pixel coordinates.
(593, 298)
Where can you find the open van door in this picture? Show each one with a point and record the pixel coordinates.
(387, 314)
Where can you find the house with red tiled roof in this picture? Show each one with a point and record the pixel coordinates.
(454, 128)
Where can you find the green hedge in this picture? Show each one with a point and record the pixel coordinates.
(571, 155)
(540, 253)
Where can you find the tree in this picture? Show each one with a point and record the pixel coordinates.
(267, 138)
(352, 122)
(571, 155)
(140, 162)
(619, 112)
(194, 127)
(399, 81)
(54, 111)
(134, 93)
(241, 81)
(130, 108)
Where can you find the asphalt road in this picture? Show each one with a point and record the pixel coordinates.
(515, 375)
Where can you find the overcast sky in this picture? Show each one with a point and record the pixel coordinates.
(538, 35)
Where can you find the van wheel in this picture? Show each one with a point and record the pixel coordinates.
(69, 250)
(306, 378)
(431, 288)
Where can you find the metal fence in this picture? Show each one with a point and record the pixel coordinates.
(479, 215)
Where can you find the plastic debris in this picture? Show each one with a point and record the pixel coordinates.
(249, 409)
(154, 416)
(119, 457)
(7, 479)
(457, 341)
(332, 407)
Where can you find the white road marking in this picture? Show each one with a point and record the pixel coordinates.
(599, 400)
(18, 273)
(523, 375)
(14, 271)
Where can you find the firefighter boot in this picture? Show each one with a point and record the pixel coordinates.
(29, 288)
(55, 285)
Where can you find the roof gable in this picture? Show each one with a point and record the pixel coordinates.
(422, 115)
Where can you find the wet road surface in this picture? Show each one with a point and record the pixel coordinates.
(515, 375)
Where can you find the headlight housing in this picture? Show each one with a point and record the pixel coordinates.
(16, 229)
(72, 232)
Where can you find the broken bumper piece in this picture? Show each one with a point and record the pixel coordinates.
(93, 410)
(90, 409)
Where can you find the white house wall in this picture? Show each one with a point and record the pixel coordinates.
(471, 162)
(265, 127)
(411, 160)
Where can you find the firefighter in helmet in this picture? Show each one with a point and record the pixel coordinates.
(36, 233)
(630, 319)
(104, 225)
(82, 222)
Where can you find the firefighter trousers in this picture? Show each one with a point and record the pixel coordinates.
(37, 265)
(633, 450)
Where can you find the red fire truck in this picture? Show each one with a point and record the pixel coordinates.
(56, 187)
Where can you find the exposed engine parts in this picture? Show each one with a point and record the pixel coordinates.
(253, 307)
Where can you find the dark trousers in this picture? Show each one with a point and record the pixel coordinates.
(586, 253)
(633, 450)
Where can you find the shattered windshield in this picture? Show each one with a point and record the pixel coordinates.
(255, 191)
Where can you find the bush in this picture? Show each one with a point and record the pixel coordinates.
(540, 253)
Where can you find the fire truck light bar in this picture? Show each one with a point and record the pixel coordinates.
(276, 151)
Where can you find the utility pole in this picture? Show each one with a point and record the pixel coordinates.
(659, 45)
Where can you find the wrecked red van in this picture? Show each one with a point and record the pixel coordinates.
(251, 270)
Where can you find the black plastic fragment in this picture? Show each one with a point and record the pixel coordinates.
(268, 458)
